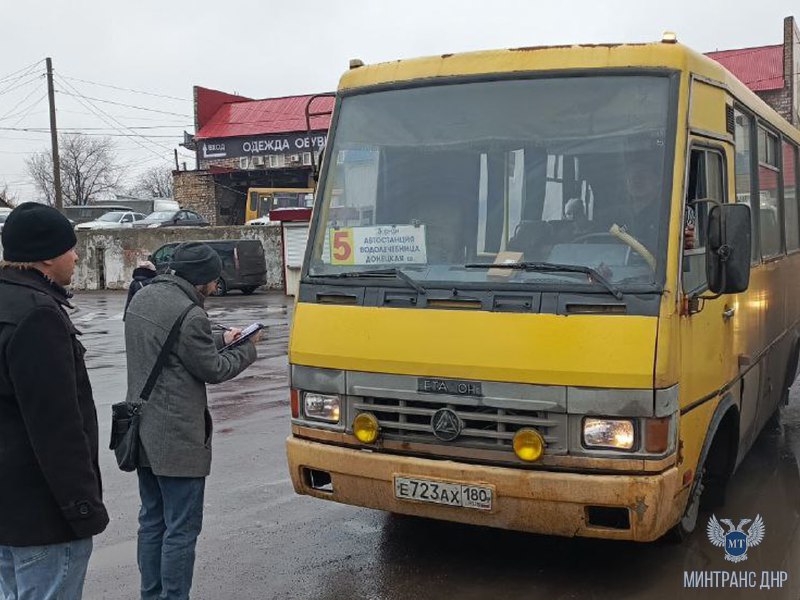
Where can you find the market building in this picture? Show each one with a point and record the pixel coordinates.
(243, 143)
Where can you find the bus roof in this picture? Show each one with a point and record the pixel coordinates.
(658, 55)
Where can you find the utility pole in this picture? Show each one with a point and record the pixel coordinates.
(54, 136)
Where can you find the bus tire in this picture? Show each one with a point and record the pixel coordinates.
(712, 478)
(688, 522)
(791, 372)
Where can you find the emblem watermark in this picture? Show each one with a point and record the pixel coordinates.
(736, 541)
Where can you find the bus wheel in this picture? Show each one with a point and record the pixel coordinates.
(712, 479)
(222, 288)
(688, 522)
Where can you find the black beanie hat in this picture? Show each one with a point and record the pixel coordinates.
(197, 263)
(34, 232)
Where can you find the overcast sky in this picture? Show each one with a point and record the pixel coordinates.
(265, 48)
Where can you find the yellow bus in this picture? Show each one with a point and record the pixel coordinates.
(262, 200)
(539, 292)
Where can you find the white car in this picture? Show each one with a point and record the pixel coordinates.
(259, 221)
(112, 220)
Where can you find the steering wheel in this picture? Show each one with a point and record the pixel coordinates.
(602, 237)
(621, 236)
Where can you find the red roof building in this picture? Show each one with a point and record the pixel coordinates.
(242, 143)
(263, 117)
(758, 68)
(772, 72)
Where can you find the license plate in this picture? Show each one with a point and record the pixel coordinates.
(460, 495)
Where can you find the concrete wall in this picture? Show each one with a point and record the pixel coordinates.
(107, 258)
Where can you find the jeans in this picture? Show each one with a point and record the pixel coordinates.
(169, 522)
(52, 572)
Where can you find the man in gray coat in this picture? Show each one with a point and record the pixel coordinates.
(175, 427)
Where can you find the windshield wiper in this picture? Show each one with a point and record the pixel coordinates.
(546, 267)
(388, 272)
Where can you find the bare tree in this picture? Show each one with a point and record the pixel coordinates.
(89, 168)
(40, 168)
(155, 182)
(7, 199)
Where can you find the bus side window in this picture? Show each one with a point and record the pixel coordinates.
(790, 197)
(768, 201)
(744, 138)
(706, 180)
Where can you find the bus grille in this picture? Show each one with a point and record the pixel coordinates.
(483, 427)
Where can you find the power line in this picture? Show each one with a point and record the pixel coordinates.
(26, 69)
(24, 114)
(17, 105)
(142, 127)
(89, 106)
(77, 131)
(163, 112)
(14, 88)
(130, 117)
(115, 87)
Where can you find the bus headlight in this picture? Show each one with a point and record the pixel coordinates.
(366, 427)
(322, 407)
(616, 434)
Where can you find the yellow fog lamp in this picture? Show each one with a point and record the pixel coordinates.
(366, 428)
(528, 445)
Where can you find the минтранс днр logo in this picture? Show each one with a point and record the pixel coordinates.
(736, 541)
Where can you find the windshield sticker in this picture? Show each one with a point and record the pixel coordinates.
(378, 245)
(505, 258)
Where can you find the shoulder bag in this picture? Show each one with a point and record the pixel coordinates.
(125, 415)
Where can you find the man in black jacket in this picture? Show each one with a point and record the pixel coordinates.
(142, 275)
(50, 499)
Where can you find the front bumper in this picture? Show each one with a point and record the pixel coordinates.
(543, 502)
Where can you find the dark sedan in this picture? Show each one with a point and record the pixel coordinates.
(172, 218)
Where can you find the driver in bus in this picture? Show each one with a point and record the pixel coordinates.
(636, 216)
(639, 214)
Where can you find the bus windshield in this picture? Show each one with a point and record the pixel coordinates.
(446, 181)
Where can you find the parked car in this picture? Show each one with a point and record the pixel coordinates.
(243, 264)
(91, 212)
(172, 218)
(112, 220)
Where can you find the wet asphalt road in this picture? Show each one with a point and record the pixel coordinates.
(262, 541)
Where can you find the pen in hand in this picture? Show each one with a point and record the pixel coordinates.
(231, 333)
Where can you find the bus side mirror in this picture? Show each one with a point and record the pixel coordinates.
(728, 258)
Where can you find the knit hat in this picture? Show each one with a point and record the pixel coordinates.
(196, 262)
(34, 232)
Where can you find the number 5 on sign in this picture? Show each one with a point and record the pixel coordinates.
(342, 247)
